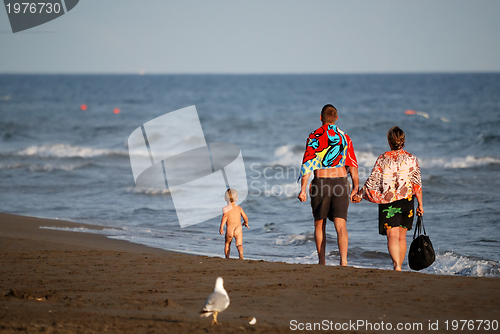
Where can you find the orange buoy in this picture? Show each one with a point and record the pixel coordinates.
(116, 110)
(83, 107)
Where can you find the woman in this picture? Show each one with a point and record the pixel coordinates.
(394, 182)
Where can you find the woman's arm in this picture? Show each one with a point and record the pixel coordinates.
(420, 208)
(371, 188)
(416, 180)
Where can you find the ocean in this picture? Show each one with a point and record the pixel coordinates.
(59, 161)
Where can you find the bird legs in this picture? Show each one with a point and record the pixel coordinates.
(214, 322)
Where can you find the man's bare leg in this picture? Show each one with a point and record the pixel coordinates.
(342, 239)
(320, 237)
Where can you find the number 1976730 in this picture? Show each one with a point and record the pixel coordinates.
(462, 325)
(33, 8)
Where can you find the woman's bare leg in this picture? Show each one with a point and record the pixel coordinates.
(393, 245)
(402, 244)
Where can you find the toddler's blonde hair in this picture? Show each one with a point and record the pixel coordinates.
(231, 196)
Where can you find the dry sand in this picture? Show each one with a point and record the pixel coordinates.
(70, 282)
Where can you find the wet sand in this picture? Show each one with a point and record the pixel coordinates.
(70, 282)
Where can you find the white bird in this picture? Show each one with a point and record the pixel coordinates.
(217, 302)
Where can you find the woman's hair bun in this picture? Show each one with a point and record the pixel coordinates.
(396, 138)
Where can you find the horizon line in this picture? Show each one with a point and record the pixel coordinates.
(145, 73)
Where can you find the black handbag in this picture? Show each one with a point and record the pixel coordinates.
(421, 254)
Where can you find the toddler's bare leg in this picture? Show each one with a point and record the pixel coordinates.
(240, 251)
(239, 241)
(227, 246)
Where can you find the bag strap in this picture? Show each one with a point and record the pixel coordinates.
(419, 226)
(422, 223)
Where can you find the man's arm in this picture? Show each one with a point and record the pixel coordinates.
(355, 183)
(303, 188)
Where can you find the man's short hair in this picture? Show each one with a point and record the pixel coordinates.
(329, 114)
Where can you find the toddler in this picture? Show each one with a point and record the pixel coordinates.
(232, 214)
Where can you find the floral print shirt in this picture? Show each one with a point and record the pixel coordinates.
(396, 175)
(328, 147)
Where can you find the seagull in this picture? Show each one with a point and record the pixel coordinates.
(217, 302)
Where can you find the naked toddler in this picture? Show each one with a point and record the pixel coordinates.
(232, 214)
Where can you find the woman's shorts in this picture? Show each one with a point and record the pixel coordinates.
(329, 197)
(396, 214)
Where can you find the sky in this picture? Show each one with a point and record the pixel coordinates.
(259, 36)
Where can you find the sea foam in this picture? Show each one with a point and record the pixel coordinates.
(291, 155)
(66, 151)
(450, 263)
(458, 162)
(104, 231)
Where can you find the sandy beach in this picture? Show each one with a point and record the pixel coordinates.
(70, 282)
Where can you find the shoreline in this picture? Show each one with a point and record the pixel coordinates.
(66, 281)
(74, 224)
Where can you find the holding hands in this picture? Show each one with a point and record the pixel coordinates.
(356, 199)
(355, 196)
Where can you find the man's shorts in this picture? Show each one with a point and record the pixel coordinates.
(329, 197)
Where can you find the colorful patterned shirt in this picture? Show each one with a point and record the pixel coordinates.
(327, 147)
(396, 175)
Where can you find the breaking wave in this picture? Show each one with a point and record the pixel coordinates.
(44, 167)
(148, 191)
(291, 155)
(451, 263)
(67, 151)
(467, 162)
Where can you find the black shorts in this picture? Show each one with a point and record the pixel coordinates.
(329, 197)
(396, 214)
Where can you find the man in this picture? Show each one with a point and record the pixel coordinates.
(330, 154)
